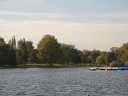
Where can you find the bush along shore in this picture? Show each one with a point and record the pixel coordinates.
(47, 66)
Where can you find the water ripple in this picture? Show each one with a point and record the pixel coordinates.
(62, 82)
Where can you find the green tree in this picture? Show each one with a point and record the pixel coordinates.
(67, 54)
(2, 41)
(49, 50)
(31, 51)
(94, 54)
(100, 59)
(123, 53)
(33, 56)
(12, 43)
(7, 54)
(3, 52)
(85, 56)
(76, 56)
(70, 54)
(110, 56)
(116, 64)
(29, 45)
(22, 53)
(12, 53)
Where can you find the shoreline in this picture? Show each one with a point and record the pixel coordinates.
(90, 66)
(47, 66)
(41, 67)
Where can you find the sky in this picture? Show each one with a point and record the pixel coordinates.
(87, 24)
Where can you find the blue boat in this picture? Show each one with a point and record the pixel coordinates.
(108, 68)
(122, 68)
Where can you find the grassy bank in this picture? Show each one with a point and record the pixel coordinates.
(34, 65)
(56, 65)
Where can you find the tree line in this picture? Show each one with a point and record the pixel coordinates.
(49, 51)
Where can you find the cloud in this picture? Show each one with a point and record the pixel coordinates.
(52, 15)
(115, 17)
(112, 15)
(105, 15)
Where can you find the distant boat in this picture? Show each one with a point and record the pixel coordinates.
(108, 68)
(94, 68)
(123, 68)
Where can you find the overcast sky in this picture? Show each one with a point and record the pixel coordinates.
(84, 23)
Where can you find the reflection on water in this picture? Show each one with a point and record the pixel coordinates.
(62, 82)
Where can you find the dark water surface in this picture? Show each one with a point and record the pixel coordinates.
(62, 82)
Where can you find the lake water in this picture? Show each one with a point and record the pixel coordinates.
(62, 82)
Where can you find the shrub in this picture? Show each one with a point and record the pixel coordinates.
(126, 63)
(116, 64)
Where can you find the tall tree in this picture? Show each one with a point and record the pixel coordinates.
(7, 54)
(29, 45)
(22, 53)
(85, 56)
(31, 52)
(33, 56)
(12, 43)
(3, 52)
(49, 50)
(94, 54)
(12, 54)
(110, 56)
(2, 40)
(67, 53)
(70, 54)
(123, 53)
(100, 59)
(76, 56)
